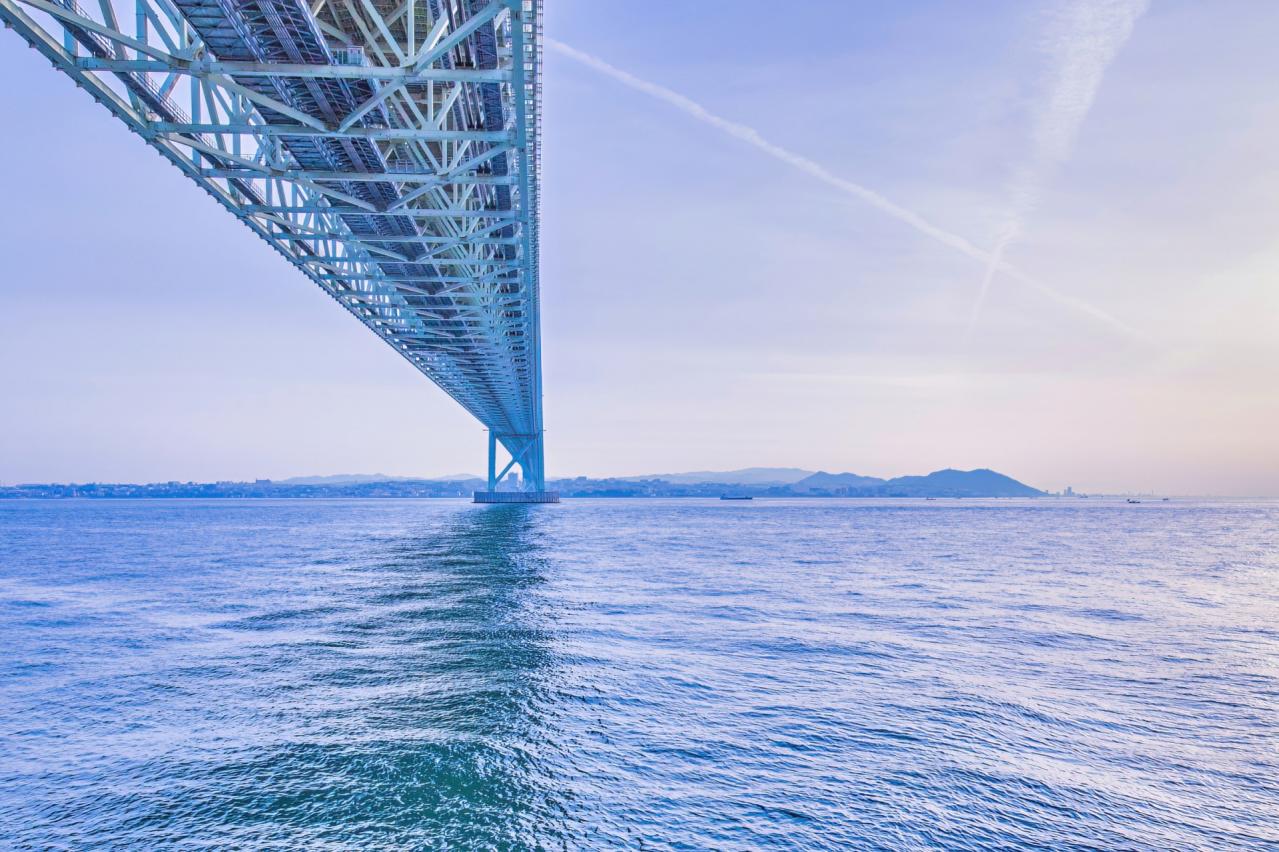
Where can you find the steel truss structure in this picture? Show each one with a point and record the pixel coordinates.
(386, 148)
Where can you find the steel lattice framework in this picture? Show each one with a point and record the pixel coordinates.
(387, 148)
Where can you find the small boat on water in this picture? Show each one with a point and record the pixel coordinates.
(1130, 500)
(736, 497)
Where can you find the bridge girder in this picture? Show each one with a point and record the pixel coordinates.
(388, 149)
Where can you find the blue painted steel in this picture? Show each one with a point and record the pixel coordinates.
(389, 149)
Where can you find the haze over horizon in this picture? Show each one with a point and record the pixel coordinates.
(715, 299)
(746, 477)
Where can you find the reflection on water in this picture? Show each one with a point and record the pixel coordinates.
(393, 690)
(454, 662)
(639, 674)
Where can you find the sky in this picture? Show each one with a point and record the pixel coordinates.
(851, 236)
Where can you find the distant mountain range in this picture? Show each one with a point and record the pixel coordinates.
(823, 481)
(745, 476)
(940, 483)
(752, 481)
(797, 481)
(794, 482)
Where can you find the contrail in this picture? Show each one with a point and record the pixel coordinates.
(817, 170)
(1084, 39)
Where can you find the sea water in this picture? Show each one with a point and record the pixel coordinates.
(658, 674)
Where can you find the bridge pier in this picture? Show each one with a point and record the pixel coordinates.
(527, 452)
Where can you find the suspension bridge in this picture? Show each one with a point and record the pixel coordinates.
(388, 149)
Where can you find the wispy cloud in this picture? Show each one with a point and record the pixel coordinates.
(1083, 38)
(909, 217)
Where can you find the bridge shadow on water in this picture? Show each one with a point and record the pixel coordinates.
(408, 710)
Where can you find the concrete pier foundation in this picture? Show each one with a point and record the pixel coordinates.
(517, 496)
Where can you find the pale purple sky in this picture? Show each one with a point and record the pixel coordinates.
(713, 299)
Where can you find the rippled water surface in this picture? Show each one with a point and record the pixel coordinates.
(657, 674)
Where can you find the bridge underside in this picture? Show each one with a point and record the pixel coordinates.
(388, 149)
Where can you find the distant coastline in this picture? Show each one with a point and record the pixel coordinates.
(941, 483)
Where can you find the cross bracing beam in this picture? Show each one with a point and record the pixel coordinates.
(464, 260)
(416, 213)
(263, 170)
(299, 130)
(388, 149)
(201, 68)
